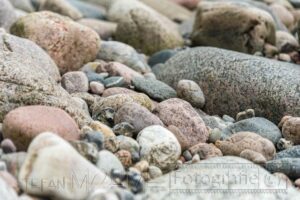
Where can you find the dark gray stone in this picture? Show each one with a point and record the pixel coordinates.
(258, 125)
(155, 89)
(233, 82)
(293, 152)
(288, 166)
(161, 56)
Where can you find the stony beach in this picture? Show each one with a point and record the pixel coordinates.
(149, 99)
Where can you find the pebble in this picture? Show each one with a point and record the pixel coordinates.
(87, 150)
(291, 129)
(159, 147)
(125, 158)
(14, 162)
(107, 162)
(191, 92)
(292, 152)
(97, 88)
(10, 180)
(111, 144)
(187, 155)
(142, 166)
(52, 152)
(95, 137)
(89, 10)
(114, 81)
(8, 15)
(124, 128)
(196, 158)
(241, 141)
(105, 29)
(249, 113)
(106, 116)
(98, 126)
(25, 5)
(154, 172)
(287, 166)
(136, 115)
(25, 123)
(285, 42)
(8, 146)
(284, 178)
(181, 114)
(161, 57)
(6, 191)
(75, 82)
(131, 145)
(283, 144)
(117, 90)
(205, 151)
(253, 156)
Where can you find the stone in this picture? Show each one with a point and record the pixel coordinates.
(106, 116)
(241, 141)
(125, 158)
(227, 118)
(181, 114)
(75, 82)
(247, 28)
(8, 146)
(283, 144)
(214, 135)
(142, 166)
(154, 172)
(6, 191)
(107, 162)
(118, 69)
(284, 178)
(196, 158)
(96, 87)
(136, 115)
(287, 166)
(292, 152)
(182, 139)
(25, 123)
(61, 7)
(105, 29)
(48, 153)
(68, 43)
(253, 156)
(155, 89)
(103, 195)
(146, 31)
(260, 83)
(205, 151)
(187, 155)
(159, 147)
(8, 15)
(117, 90)
(114, 81)
(286, 42)
(297, 183)
(14, 162)
(131, 145)
(190, 4)
(291, 129)
(24, 5)
(258, 125)
(124, 128)
(87, 150)
(82, 105)
(106, 130)
(270, 51)
(284, 14)
(191, 92)
(89, 10)
(112, 144)
(95, 137)
(210, 168)
(284, 57)
(123, 53)
(10, 180)
(161, 56)
(117, 101)
(249, 113)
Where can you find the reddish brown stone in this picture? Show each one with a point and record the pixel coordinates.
(125, 158)
(291, 128)
(205, 150)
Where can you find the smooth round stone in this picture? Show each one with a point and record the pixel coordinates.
(8, 15)
(117, 90)
(205, 151)
(2, 166)
(10, 180)
(95, 137)
(161, 56)
(287, 166)
(24, 123)
(6, 190)
(97, 88)
(227, 118)
(159, 147)
(8, 146)
(111, 144)
(258, 125)
(293, 152)
(191, 92)
(82, 105)
(13, 162)
(124, 128)
(125, 158)
(155, 89)
(92, 76)
(101, 194)
(154, 172)
(89, 10)
(291, 129)
(24, 5)
(114, 81)
(75, 82)
(107, 162)
(286, 42)
(87, 150)
(142, 166)
(187, 155)
(131, 145)
(105, 29)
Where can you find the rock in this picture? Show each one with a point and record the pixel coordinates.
(14, 162)
(161, 56)
(297, 183)
(8, 15)
(187, 155)
(182, 139)
(241, 141)
(284, 14)
(117, 101)
(155, 89)
(283, 144)
(8, 146)
(75, 82)
(250, 28)
(118, 69)
(95, 137)
(261, 83)
(24, 5)
(291, 129)
(131, 145)
(104, 29)
(96, 87)
(287, 166)
(61, 7)
(154, 172)
(159, 147)
(249, 113)
(284, 178)
(284, 57)
(144, 30)
(191, 92)
(131, 180)
(122, 53)
(214, 135)
(82, 104)
(114, 81)
(98, 126)
(88, 98)
(124, 128)
(68, 43)
(292, 152)
(89, 10)
(205, 151)
(258, 125)
(227, 118)
(190, 4)
(25, 123)
(103, 195)
(181, 114)
(10, 180)
(125, 158)
(285, 42)
(233, 167)
(253, 156)
(107, 162)
(196, 159)
(48, 153)
(6, 191)
(87, 150)
(111, 144)
(106, 116)
(136, 115)
(117, 90)
(169, 9)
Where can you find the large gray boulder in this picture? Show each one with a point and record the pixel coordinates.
(220, 178)
(233, 82)
(28, 76)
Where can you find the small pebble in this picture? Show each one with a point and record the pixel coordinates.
(8, 146)
(96, 88)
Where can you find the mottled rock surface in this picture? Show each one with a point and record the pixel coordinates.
(7, 14)
(288, 166)
(293, 152)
